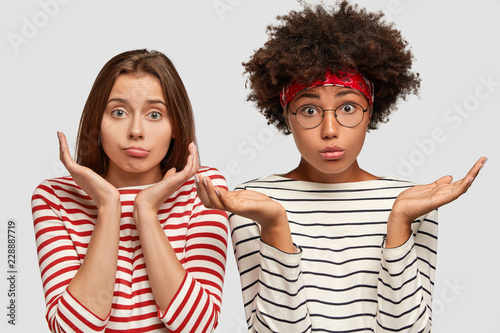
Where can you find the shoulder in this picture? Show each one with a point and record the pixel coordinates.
(57, 193)
(377, 187)
(392, 182)
(57, 188)
(271, 181)
(383, 186)
(50, 185)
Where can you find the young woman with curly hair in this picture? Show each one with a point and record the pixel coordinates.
(328, 246)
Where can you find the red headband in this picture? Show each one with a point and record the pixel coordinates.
(349, 79)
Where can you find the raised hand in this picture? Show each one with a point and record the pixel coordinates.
(154, 196)
(253, 205)
(250, 204)
(99, 189)
(165, 272)
(422, 199)
(93, 284)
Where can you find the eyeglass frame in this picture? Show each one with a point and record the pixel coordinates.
(334, 111)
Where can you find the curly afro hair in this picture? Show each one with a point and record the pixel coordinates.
(309, 42)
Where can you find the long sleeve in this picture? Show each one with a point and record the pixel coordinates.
(406, 280)
(59, 262)
(64, 218)
(271, 280)
(196, 305)
(343, 279)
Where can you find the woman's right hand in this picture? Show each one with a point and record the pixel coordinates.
(270, 214)
(93, 284)
(99, 190)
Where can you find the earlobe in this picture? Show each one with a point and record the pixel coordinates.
(285, 115)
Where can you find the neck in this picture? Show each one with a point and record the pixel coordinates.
(306, 172)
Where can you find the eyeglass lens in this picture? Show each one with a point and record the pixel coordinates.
(348, 115)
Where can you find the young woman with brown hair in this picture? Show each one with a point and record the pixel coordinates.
(124, 243)
(328, 246)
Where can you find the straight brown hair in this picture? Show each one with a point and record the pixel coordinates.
(89, 151)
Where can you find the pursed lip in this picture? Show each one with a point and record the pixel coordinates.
(332, 153)
(136, 151)
(333, 148)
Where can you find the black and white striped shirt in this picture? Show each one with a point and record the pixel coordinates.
(343, 279)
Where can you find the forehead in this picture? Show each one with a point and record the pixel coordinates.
(326, 93)
(144, 84)
(333, 90)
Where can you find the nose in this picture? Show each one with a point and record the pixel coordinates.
(329, 125)
(136, 130)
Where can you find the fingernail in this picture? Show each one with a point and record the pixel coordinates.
(485, 160)
(470, 181)
(482, 165)
(205, 182)
(217, 192)
(59, 136)
(196, 179)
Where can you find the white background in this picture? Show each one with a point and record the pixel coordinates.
(50, 56)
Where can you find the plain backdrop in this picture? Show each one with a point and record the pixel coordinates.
(51, 51)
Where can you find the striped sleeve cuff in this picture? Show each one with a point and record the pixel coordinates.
(399, 264)
(401, 303)
(396, 253)
(280, 301)
(75, 317)
(190, 310)
(269, 251)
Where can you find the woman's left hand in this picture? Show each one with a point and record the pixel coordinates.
(422, 199)
(151, 198)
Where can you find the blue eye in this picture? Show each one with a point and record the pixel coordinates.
(118, 113)
(154, 115)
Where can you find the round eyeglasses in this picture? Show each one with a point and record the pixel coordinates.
(347, 114)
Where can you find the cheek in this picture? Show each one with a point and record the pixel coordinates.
(106, 132)
(162, 135)
(302, 140)
(357, 140)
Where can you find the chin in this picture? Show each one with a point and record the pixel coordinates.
(332, 167)
(136, 169)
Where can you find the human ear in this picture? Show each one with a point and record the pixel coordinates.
(285, 116)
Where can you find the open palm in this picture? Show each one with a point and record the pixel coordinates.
(246, 203)
(422, 199)
(154, 196)
(98, 188)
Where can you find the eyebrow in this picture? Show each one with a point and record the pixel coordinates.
(307, 95)
(347, 92)
(125, 101)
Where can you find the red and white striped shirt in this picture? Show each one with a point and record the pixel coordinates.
(64, 218)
